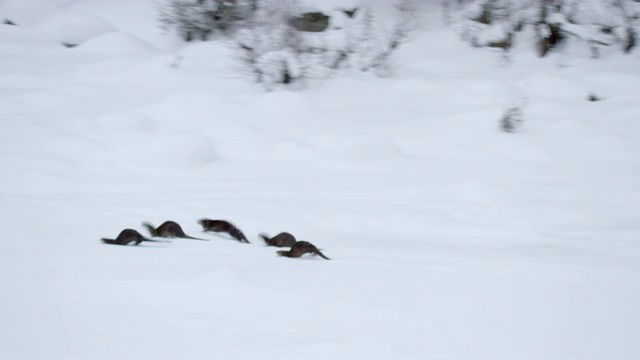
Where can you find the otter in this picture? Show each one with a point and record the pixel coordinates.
(169, 229)
(300, 248)
(281, 240)
(127, 236)
(223, 226)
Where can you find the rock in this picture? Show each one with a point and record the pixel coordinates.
(310, 22)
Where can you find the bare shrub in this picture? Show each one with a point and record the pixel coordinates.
(199, 19)
(512, 120)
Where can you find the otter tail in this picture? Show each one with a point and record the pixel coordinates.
(266, 239)
(152, 240)
(193, 238)
(237, 234)
(319, 253)
(152, 230)
(109, 241)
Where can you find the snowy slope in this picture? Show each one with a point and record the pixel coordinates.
(449, 238)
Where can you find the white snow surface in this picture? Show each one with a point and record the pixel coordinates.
(448, 238)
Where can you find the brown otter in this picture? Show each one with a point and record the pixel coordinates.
(300, 248)
(223, 226)
(281, 240)
(127, 236)
(169, 229)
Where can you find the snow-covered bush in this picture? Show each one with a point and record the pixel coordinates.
(275, 51)
(286, 41)
(266, 46)
(490, 23)
(597, 24)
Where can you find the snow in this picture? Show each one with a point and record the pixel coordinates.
(449, 238)
(74, 29)
(29, 13)
(116, 43)
(330, 5)
(14, 37)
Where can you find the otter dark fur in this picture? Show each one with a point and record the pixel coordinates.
(169, 229)
(223, 226)
(300, 248)
(127, 236)
(281, 240)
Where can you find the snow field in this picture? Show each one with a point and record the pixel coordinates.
(449, 238)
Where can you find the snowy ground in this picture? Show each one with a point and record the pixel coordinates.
(449, 238)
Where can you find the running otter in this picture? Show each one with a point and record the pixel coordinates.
(127, 236)
(169, 229)
(223, 226)
(300, 248)
(281, 240)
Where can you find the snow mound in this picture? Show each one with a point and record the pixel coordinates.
(612, 83)
(554, 87)
(75, 29)
(168, 150)
(368, 147)
(117, 43)
(198, 109)
(285, 102)
(124, 124)
(241, 130)
(112, 69)
(484, 91)
(51, 99)
(12, 37)
(626, 110)
(85, 92)
(294, 150)
(72, 149)
(27, 13)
